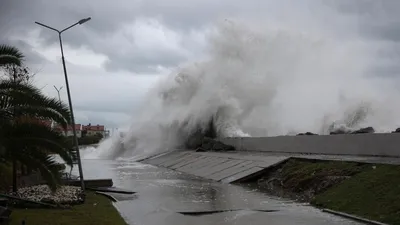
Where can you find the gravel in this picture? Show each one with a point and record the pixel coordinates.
(42, 193)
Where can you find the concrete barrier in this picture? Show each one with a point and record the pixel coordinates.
(95, 183)
(383, 144)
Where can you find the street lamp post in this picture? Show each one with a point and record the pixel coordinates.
(80, 22)
(58, 92)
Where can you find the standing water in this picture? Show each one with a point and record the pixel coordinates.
(172, 198)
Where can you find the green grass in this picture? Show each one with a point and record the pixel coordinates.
(372, 194)
(97, 210)
(299, 175)
(372, 191)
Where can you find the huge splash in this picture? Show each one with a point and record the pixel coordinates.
(260, 81)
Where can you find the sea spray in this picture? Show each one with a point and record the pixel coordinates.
(257, 81)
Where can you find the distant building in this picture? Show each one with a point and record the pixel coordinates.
(81, 130)
(69, 132)
(78, 129)
(92, 130)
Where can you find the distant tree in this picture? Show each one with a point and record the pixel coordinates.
(99, 136)
(84, 133)
(18, 74)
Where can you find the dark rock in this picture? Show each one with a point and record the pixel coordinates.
(209, 144)
(397, 130)
(365, 130)
(195, 139)
(307, 133)
(337, 132)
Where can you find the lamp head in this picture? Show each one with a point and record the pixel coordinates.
(82, 21)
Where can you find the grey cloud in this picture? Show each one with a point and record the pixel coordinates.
(389, 31)
(375, 19)
(99, 106)
(143, 62)
(31, 56)
(109, 120)
(179, 15)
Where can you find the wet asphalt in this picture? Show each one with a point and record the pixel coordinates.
(166, 197)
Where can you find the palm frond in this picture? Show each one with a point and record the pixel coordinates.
(46, 164)
(9, 59)
(23, 99)
(10, 55)
(42, 137)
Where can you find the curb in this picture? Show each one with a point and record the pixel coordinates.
(107, 195)
(349, 216)
(111, 190)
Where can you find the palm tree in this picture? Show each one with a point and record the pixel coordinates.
(10, 55)
(23, 136)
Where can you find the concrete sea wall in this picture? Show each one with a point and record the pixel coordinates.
(382, 144)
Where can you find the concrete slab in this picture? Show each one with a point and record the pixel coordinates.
(243, 174)
(202, 163)
(190, 159)
(216, 166)
(220, 167)
(178, 158)
(209, 166)
(186, 160)
(161, 159)
(196, 159)
(192, 168)
(230, 171)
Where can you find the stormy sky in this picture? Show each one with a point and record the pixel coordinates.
(113, 59)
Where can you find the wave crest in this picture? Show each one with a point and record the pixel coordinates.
(255, 81)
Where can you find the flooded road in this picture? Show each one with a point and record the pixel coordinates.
(166, 197)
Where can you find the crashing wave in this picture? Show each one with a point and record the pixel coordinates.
(256, 81)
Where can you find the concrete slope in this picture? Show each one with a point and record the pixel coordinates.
(384, 144)
(235, 166)
(223, 167)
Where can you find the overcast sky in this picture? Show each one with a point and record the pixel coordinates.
(114, 58)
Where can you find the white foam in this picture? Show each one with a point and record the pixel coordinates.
(261, 81)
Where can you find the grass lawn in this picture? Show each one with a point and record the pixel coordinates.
(374, 193)
(97, 210)
(301, 174)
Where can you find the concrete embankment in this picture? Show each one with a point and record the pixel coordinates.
(382, 144)
(256, 154)
(346, 183)
(236, 166)
(215, 166)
